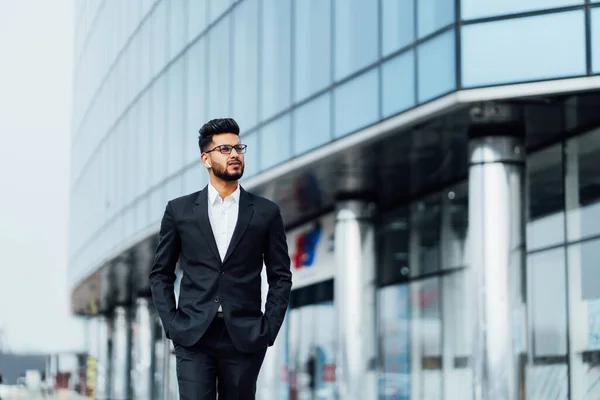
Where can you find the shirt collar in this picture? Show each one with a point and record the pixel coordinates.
(213, 195)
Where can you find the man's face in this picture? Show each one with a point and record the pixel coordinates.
(228, 167)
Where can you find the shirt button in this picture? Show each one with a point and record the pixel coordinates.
(216, 299)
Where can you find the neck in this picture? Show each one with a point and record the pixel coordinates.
(224, 188)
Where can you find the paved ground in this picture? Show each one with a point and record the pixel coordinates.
(22, 394)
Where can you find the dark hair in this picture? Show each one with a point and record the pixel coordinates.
(216, 127)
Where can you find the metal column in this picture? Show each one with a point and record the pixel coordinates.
(355, 301)
(142, 354)
(103, 361)
(119, 388)
(496, 225)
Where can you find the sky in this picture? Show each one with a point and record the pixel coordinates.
(36, 57)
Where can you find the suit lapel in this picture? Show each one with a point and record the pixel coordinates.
(201, 212)
(244, 216)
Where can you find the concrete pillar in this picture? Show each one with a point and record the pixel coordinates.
(354, 288)
(496, 250)
(119, 387)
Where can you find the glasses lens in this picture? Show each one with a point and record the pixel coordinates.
(225, 149)
(240, 148)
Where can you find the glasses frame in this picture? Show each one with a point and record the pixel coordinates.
(220, 148)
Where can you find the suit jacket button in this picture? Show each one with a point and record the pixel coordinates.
(216, 299)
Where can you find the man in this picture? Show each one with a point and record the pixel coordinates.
(221, 235)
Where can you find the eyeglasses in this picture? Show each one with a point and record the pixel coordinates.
(226, 148)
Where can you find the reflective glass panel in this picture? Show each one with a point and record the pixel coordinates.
(356, 103)
(595, 16)
(398, 86)
(471, 9)
(398, 24)
(312, 124)
(355, 48)
(436, 66)
(582, 185)
(546, 204)
(197, 17)
(434, 15)
(312, 47)
(196, 88)
(245, 64)
(584, 319)
(276, 57)
(275, 145)
(219, 70)
(543, 53)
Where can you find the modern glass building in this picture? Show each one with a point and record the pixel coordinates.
(435, 161)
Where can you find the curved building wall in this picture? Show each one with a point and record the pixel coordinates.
(295, 74)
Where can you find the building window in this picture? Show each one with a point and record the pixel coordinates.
(584, 319)
(312, 124)
(489, 49)
(436, 67)
(434, 15)
(276, 57)
(312, 47)
(219, 70)
(471, 9)
(275, 146)
(355, 48)
(595, 15)
(546, 205)
(582, 186)
(397, 25)
(245, 64)
(356, 103)
(398, 86)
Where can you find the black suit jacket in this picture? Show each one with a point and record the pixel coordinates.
(235, 283)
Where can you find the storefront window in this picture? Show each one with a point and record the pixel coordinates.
(583, 186)
(546, 205)
(584, 319)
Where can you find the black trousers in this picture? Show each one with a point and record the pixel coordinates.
(214, 365)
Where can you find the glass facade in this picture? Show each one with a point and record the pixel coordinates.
(297, 75)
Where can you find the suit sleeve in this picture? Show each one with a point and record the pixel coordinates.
(279, 276)
(162, 276)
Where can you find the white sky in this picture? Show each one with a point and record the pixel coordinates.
(36, 46)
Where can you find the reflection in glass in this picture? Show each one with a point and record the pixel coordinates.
(355, 48)
(394, 343)
(197, 17)
(398, 86)
(582, 186)
(393, 238)
(471, 9)
(584, 319)
(547, 302)
(219, 68)
(543, 53)
(425, 236)
(276, 57)
(595, 38)
(545, 209)
(245, 64)
(434, 15)
(174, 136)
(312, 47)
(275, 140)
(397, 25)
(312, 124)
(196, 88)
(436, 66)
(356, 103)
(312, 345)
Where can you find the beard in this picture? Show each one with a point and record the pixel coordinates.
(222, 173)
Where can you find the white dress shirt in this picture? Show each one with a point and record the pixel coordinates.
(223, 215)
